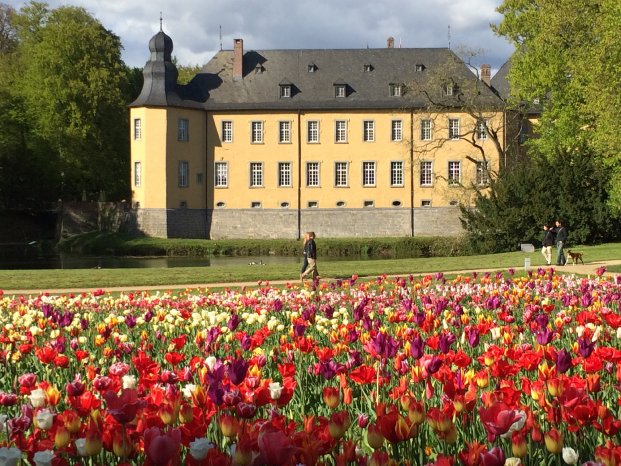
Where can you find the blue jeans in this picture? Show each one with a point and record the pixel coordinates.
(560, 254)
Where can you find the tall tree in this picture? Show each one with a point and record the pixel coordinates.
(74, 85)
(568, 58)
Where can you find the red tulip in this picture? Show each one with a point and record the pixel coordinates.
(123, 408)
(162, 447)
(275, 447)
(497, 419)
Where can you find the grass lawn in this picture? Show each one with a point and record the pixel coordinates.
(102, 278)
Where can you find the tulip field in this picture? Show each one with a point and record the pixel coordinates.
(483, 369)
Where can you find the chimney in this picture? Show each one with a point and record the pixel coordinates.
(390, 42)
(238, 55)
(486, 74)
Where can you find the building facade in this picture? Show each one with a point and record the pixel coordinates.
(270, 144)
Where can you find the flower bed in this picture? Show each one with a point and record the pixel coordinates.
(486, 369)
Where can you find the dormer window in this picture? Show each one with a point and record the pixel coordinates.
(420, 67)
(450, 88)
(259, 68)
(312, 68)
(340, 90)
(368, 68)
(395, 89)
(285, 90)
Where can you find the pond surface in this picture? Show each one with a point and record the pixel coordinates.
(64, 261)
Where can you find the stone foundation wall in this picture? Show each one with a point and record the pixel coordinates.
(284, 223)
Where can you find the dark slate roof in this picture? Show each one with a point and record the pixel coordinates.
(367, 87)
(500, 83)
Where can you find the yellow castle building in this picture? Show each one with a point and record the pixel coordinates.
(343, 142)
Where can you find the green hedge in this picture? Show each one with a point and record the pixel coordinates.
(116, 244)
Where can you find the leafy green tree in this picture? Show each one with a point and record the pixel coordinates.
(74, 86)
(568, 58)
(570, 186)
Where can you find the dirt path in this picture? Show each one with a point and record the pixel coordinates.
(589, 269)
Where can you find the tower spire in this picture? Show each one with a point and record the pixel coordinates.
(161, 30)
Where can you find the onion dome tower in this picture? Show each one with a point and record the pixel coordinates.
(160, 73)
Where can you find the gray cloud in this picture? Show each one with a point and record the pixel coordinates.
(194, 25)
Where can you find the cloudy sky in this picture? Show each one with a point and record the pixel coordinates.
(195, 25)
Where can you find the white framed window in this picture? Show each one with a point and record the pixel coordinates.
(396, 130)
(340, 174)
(284, 174)
(339, 90)
(137, 173)
(454, 172)
(137, 129)
(256, 174)
(255, 205)
(453, 128)
(256, 132)
(221, 174)
(312, 204)
(312, 68)
(227, 131)
(183, 126)
(284, 132)
(425, 130)
(312, 174)
(425, 203)
(368, 204)
(368, 131)
(368, 174)
(396, 173)
(312, 131)
(395, 90)
(426, 173)
(481, 130)
(285, 90)
(340, 130)
(482, 176)
(448, 89)
(184, 171)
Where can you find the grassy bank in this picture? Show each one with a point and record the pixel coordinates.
(102, 278)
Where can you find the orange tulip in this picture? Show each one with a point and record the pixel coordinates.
(331, 397)
(554, 441)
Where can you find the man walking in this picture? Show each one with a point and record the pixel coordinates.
(561, 237)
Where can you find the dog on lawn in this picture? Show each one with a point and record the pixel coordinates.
(574, 256)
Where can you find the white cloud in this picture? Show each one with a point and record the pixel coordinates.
(194, 25)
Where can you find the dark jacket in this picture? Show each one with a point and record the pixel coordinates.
(561, 233)
(548, 237)
(310, 249)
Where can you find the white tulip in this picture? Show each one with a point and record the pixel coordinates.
(37, 398)
(43, 458)
(10, 456)
(44, 419)
(129, 381)
(199, 448)
(570, 456)
(275, 390)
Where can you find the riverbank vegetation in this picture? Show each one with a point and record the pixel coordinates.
(393, 248)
